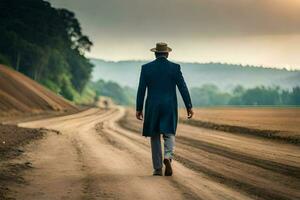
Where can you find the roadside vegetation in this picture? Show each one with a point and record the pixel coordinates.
(46, 44)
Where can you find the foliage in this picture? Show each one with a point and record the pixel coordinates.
(45, 44)
(4, 60)
(261, 96)
(120, 95)
(210, 95)
(295, 96)
(87, 97)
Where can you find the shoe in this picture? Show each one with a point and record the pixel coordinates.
(168, 171)
(157, 172)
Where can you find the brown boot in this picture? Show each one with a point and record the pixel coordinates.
(168, 170)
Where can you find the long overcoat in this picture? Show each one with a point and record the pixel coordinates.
(160, 78)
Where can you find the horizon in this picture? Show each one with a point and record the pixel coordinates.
(188, 62)
(250, 32)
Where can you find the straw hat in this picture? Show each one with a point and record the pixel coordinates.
(161, 47)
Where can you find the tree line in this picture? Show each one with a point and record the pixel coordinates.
(211, 95)
(208, 95)
(46, 44)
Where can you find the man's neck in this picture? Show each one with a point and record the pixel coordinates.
(160, 57)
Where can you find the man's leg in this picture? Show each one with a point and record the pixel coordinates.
(169, 144)
(156, 154)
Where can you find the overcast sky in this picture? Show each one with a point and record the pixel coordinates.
(259, 32)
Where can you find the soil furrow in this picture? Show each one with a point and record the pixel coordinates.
(220, 150)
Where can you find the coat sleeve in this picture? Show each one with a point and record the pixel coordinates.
(141, 91)
(184, 91)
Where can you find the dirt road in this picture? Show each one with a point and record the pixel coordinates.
(96, 158)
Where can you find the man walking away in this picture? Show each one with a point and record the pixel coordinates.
(160, 77)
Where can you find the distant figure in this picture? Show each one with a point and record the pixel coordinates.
(160, 78)
(105, 102)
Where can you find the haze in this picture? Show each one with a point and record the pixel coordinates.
(257, 32)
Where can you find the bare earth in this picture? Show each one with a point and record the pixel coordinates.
(21, 95)
(284, 119)
(96, 156)
(284, 123)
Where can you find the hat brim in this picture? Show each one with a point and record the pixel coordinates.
(160, 51)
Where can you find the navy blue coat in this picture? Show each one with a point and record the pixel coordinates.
(160, 78)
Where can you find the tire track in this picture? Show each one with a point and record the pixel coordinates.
(223, 151)
(270, 134)
(250, 189)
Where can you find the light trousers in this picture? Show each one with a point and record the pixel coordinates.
(169, 144)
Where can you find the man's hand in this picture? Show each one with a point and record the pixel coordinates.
(139, 115)
(190, 113)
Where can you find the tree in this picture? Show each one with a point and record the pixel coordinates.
(120, 95)
(208, 95)
(295, 96)
(261, 96)
(46, 44)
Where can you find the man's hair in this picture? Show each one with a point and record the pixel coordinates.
(159, 54)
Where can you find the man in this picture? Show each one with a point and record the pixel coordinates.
(160, 78)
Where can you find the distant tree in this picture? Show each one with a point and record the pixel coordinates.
(238, 90)
(261, 96)
(208, 95)
(285, 97)
(120, 95)
(295, 96)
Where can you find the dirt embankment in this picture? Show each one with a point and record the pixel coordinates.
(20, 94)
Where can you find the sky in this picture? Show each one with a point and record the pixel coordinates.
(255, 32)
